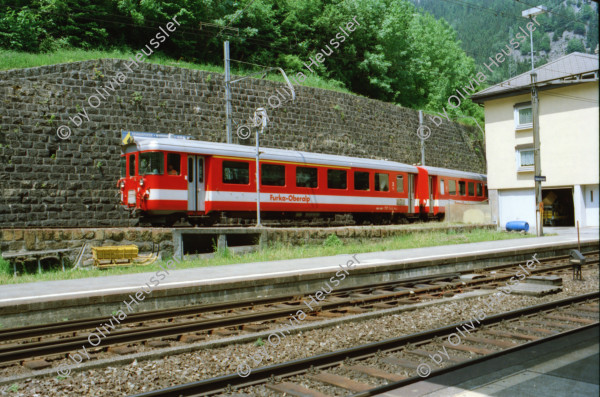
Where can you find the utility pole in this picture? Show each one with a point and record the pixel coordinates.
(421, 136)
(227, 92)
(536, 156)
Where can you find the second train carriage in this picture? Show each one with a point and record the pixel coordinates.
(165, 179)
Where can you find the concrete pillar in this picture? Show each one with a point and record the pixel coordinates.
(177, 244)
(493, 197)
(579, 205)
(222, 243)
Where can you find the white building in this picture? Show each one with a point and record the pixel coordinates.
(568, 125)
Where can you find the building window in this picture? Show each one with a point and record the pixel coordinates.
(400, 183)
(382, 182)
(306, 177)
(461, 188)
(151, 163)
(272, 175)
(452, 187)
(523, 116)
(236, 172)
(525, 159)
(471, 189)
(361, 180)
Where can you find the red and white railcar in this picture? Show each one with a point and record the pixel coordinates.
(166, 179)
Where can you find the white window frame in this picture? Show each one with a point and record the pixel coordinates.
(523, 168)
(518, 107)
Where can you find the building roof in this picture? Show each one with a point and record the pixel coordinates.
(574, 68)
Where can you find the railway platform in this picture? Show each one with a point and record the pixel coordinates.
(566, 366)
(45, 301)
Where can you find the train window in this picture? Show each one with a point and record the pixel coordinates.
(479, 189)
(190, 168)
(151, 163)
(361, 180)
(272, 175)
(382, 182)
(306, 177)
(441, 186)
(452, 187)
(336, 179)
(400, 183)
(461, 188)
(173, 164)
(486, 191)
(200, 169)
(237, 172)
(132, 165)
(471, 188)
(123, 166)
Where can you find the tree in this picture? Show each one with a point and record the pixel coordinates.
(575, 45)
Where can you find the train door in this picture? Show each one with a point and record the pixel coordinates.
(411, 193)
(196, 191)
(430, 194)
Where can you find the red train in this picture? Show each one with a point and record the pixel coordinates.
(167, 179)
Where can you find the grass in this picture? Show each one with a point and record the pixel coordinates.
(18, 60)
(330, 246)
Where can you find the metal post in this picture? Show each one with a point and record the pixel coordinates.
(536, 155)
(422, 140)
(257, 181)
(578, 241)
(227, 92)
(531, 43)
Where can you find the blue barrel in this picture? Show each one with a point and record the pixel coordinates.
(517, 226)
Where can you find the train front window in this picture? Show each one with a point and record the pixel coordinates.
(173, 164)
(306, 177)
(382, 182)
(132, 165)
(236, 172)
(361, 180)
(123, 162)
(151, 163)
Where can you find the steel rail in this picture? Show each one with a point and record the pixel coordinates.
(327, 360)
(10, 334)
(28, 350)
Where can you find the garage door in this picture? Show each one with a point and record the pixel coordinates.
(516, 205)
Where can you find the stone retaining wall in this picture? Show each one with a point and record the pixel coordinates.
(19, 240)
(49, 182)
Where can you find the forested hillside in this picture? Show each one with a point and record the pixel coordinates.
(395, 54)
(485, 26)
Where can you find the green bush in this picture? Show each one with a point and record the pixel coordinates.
(5, 267)
(332, 241)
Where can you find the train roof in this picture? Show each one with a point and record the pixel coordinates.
(455, 173)
(226, 149)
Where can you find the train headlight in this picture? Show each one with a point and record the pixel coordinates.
(122, 185)
(141, 182)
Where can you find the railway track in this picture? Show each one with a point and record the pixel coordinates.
(189, 324)
(381, 366)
